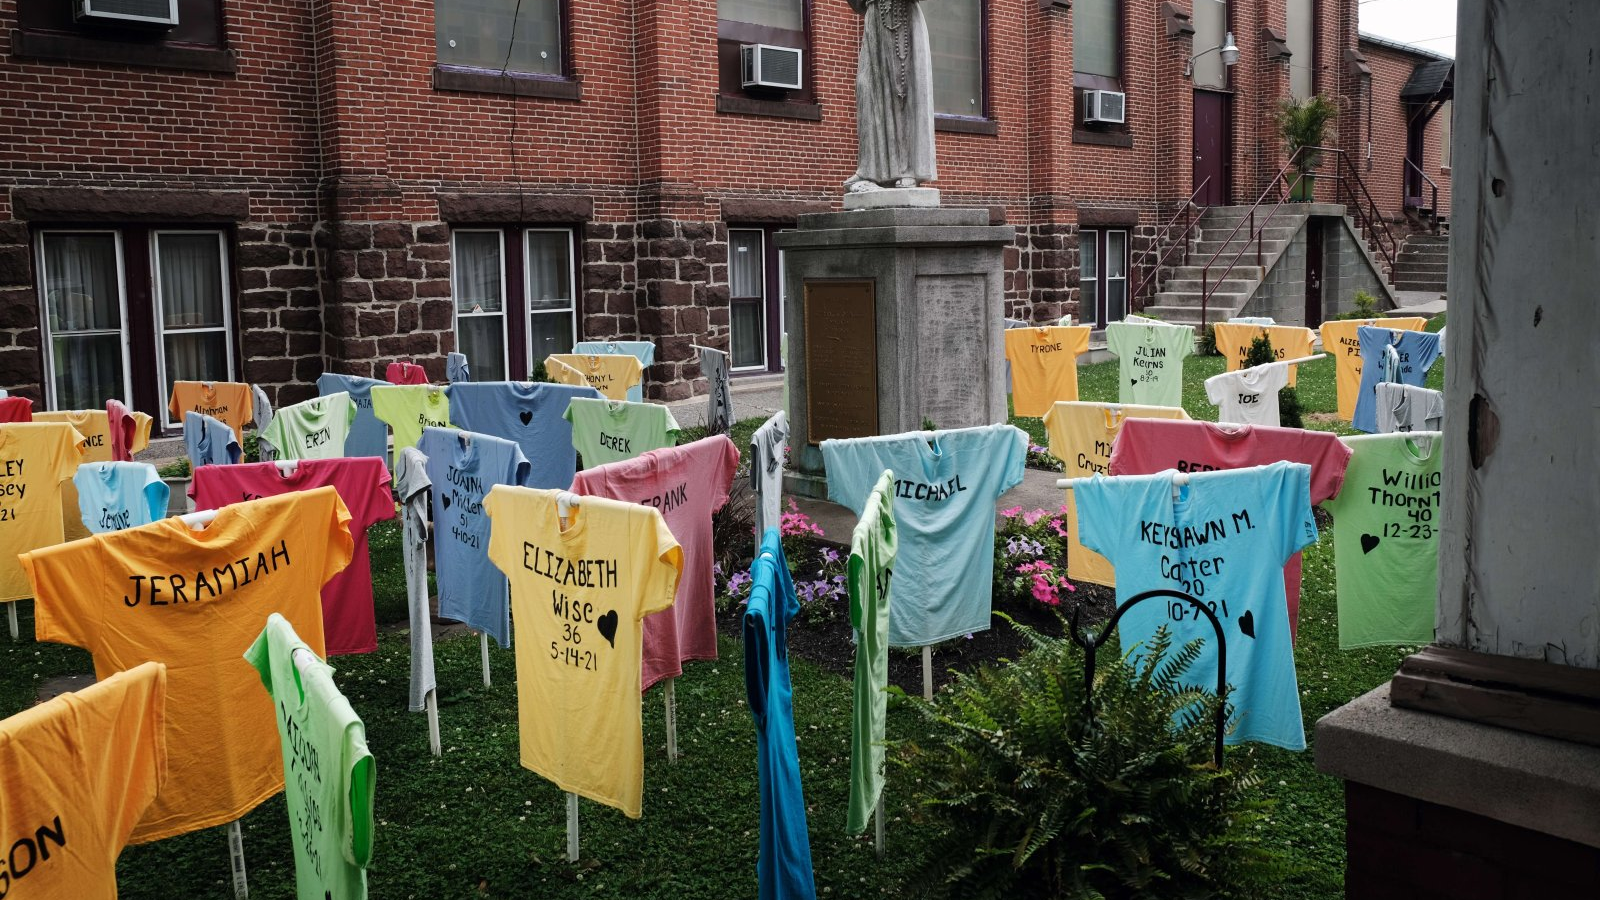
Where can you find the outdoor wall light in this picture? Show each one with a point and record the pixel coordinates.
(1229, 51)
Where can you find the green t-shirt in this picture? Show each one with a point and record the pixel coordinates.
(1150, 361)
(1386, 539)
(608, 431)
(327, 769)
(312, 429)
(872, 550)
(409, 408)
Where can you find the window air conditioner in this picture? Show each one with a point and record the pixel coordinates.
(1105, 106)
(128, 12)
(767, 66)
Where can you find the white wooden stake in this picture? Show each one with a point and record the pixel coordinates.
(877, 822)
(927, 673)
(241, 885)
(11, 616)
(432, 702)
(483, 643)
(572, 828)
(671, 698)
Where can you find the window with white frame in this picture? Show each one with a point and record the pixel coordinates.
(514, 298)
(747, 297)
(1102, 275)
(92, 348)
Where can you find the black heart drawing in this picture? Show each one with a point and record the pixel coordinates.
(445, 499)
(608, 627)
(1368, 543)
(525, 416)
(1132, 382)
(1247, 624)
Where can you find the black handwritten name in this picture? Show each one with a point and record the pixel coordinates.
(1249, 398)
(113, 520)
(12, 468)
(318, 438)
(425, 421)
(1178, 538)
(174, 589)
(619, 444)
(95, 440)
(1045, 348)
(28, 852)
(590, 573)
(920, 490)
(214, 411)
(667, 501)
(305, 767)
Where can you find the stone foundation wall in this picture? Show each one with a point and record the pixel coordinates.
(19, 315)
(386, 291)
(280, 310)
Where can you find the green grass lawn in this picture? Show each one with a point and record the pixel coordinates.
(474, 823)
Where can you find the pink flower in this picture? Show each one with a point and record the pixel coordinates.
(1044, 591)
(1011, 513)
(1032, 517)
(1056, 524)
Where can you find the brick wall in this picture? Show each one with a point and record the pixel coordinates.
(1385, 177)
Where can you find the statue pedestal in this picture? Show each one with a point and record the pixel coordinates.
(893, 198)
(894, 319)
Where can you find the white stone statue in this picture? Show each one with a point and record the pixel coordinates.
(894, 98)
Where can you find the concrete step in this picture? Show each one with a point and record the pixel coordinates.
(1205, 249)
(1402, 284)
(1425, 240)
(1426, 254)
(1191, 300)
(1230, 285)
(1241, 271)
(1414, 265)
(1272, 232)
(1190, 317)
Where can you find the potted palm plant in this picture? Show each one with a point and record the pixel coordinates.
(1305, 125)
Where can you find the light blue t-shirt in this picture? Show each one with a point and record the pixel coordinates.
(529, 414)
(1417, 351)
(1223, 541)
(117, 495)
(783, 864)
(946, 484)
(463, 466)
(643, 351)
(368, 435)
(456, 368)
(209, 441)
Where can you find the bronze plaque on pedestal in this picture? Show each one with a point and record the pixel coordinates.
(841, 360)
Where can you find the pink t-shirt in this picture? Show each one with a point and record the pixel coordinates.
(405, 373)
(686, 484)
(120, 421)
(1146, 446)
(15, 409)
(363, 485)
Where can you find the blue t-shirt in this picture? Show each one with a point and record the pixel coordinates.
(1417, 351)
(456, 368)
(368, 436)
(117, 495)
(463, 466)
(209, 441)
(783, 866)
(643, 351)
(529, 414)
(1223, 541)
(945, 487)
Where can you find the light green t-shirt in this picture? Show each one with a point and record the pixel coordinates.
(328, 771)
(1386, 539)
(409, 408)
(1149, 361)
(872, 551)
(312, 429)
(608, 431)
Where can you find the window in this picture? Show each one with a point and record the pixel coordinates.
(96, 337)
(955, 35)
(1444, 118)
(1097, 43)
(780, 23)
(521, 36)
(515, 302)
(1102, 275)
(747, 297)
(1301, 22)
(786, 15)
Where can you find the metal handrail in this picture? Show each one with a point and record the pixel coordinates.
(1205, 289)
(1183, 238)
(1372, 220)
(1434, 187)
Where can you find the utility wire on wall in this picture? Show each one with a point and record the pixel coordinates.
(516, 116)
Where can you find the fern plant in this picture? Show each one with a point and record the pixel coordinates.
(1033, 799)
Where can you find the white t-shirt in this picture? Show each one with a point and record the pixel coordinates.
(1406, 407)
(1248, 396)
(411, 486)
(766, 471)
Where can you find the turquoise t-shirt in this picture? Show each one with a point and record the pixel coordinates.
(117, 495)
(1149, 361)
(1223, 540)
(946, 484)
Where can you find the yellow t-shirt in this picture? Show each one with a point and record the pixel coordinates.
(196, 600)
(227, 401)
(577, 596)
(80, 770)
(612, 374)
(35, 458)
(1081, 435)
(1288, 342)
(1339, 340)
(1044, 365)
(95, 426)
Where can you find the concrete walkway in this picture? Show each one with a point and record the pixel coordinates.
(1418, 303)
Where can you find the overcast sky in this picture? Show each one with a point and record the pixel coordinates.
(1430, 24)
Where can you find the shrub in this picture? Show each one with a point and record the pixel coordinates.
(1030, 799)
(1208, 342)
(1289, 409)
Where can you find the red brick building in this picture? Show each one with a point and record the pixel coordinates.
(1408, 126)
(267, 190)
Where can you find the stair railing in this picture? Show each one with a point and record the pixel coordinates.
(1205, 273)
(1368, 215)
(1162, 236)
(1434, 187)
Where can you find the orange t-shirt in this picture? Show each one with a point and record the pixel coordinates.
(95, 426)
(1288, 342)
(227, 401)
(80, 771)
(1044, 365)
(35, 458)
(196, 600)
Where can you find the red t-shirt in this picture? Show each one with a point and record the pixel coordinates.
(1146, 446)
(15, 409)
(363, 484)
(405, 373)
(686, 484)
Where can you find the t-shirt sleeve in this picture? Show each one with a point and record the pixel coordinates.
(141, 431)
(846, 463)
(357, 844)
(517, 466)
(70, 454)
(1329, 463)
(1216, 389)
(1125, 457)
(1098, 501)
(665, 565)
(722, 475)
(384, 404)
(499, 530)
(173, 406)
(1077, 341)
(259, 656)
(377, 498)
(755, 669)
(156, 494)
(341, 546)
(669, 424)
(1183, 342)
(1289, 494)
(1277, 379)
(69, 592)
(1013, 456)
(1117, 340)
(273, 434)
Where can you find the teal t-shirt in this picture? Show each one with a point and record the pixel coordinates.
(1149, 361)
(1223, 538)
(313, 429)
(117, 495)
(872, 551)
(328, 771)
(946, 484)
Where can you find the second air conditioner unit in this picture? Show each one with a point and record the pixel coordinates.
(766, 66)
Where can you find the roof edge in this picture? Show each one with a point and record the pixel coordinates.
(1387, 44)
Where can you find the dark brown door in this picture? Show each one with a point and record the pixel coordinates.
(1416, 128)
(1211, 148)
(1313, 273)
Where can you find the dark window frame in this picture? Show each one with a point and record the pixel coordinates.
(518, 339)
(46, 30)
(734, 99)
(566, 85)
(1084, 81)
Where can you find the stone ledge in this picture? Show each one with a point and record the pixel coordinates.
(1537, 783)
(891, 236)
(80, 204)
(903, 217)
